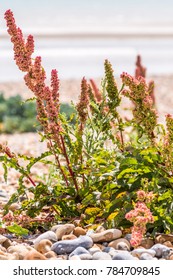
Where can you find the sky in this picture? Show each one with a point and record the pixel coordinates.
(70, 13)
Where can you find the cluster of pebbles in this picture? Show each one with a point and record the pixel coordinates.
(70, 242)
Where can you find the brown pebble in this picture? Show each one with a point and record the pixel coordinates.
(147, 243)
(79, 231)
(69, 237)
(43, 246)
(34, 255)
(4, 241)
(171, 257)
(50, 255)
(159, 239)
(168, 244)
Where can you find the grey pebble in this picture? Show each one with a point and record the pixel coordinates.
(68, 246)
(46, 235)
(82, 253)
(145, 256)
(101, 256)
(161, 250)
(123, 255)
(139, 251)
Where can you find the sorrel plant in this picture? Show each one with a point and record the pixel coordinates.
(98, 165)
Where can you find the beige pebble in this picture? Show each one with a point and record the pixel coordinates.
(2, 239)
(69, 237)
(79, 231)
(120, 244)
(20, 249)
(95, 248)
(2, 249)
(106, 236)
(75, 258)
(101, 246)
(54, 228)
(6, 256)
(34, 255)
(43, 246)
(100, 229)
(63, 230)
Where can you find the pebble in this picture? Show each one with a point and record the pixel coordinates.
(139, 251)
(161, 250)
(34, 255)
(120, 244)
(101, 256)
(64, 230)
(106, 235)
(43, 246)
(6, 256)
(147, 243)
(67, 246)
(20, 249)
(50, 235)
(70, 242)
(146, 256)
(95, 248)
(69, 237)
(123, 255)
(112, 252)
(79, 231)
(4, 241)
(50, 255)
(82, 253)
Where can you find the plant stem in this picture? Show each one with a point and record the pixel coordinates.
(68, 163)
(59, 164)
(28, 176)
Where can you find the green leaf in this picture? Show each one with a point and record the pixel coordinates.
(18, 230)
(129, 161)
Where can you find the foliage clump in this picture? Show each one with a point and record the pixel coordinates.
(97, 167)
(17, 115)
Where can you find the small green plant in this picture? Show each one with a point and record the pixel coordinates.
(17, 115)
(98, 165)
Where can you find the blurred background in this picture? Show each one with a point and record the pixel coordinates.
(75, 36)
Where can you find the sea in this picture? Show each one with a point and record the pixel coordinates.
(75, 37)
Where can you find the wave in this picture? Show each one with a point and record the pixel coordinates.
(122, 31)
